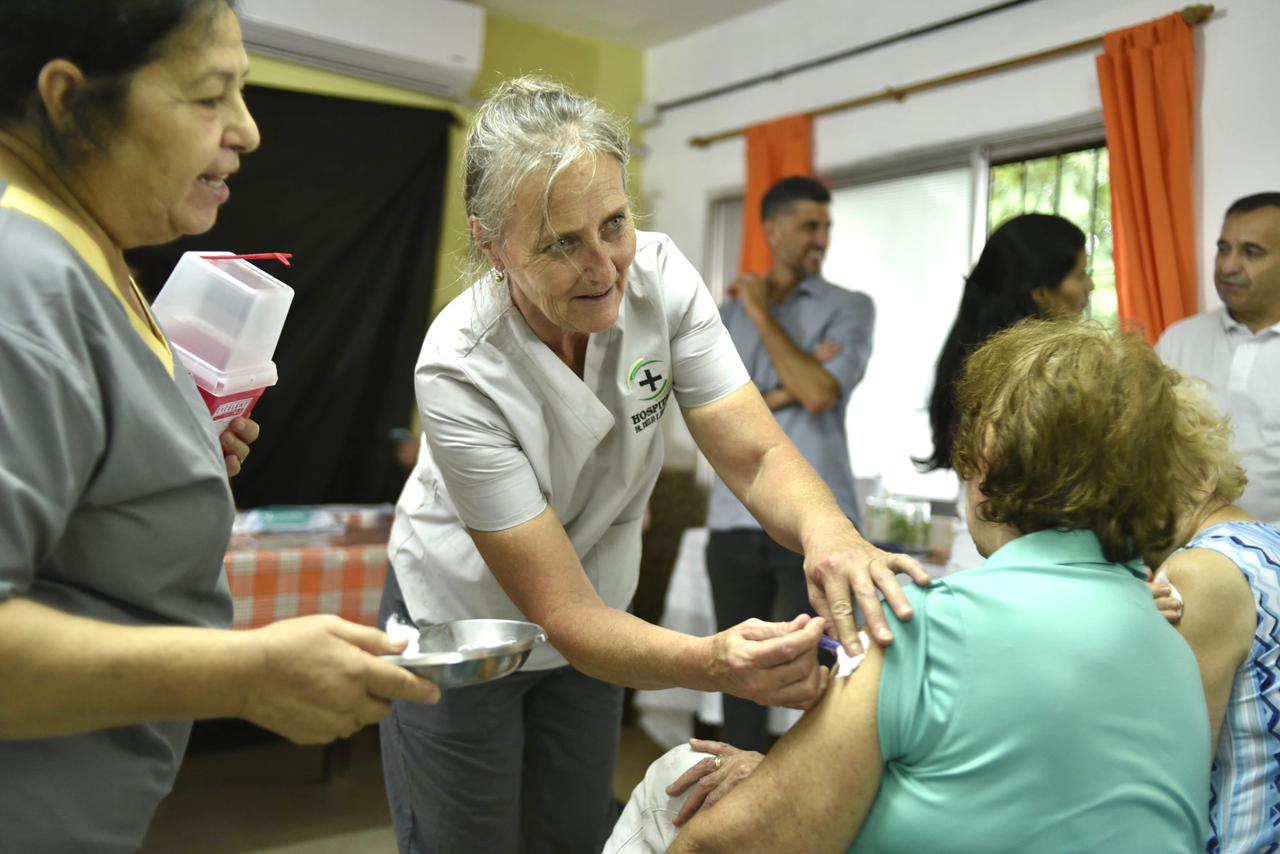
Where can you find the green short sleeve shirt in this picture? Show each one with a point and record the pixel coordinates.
(1040, 703)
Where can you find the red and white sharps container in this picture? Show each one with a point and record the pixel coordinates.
(224, 317)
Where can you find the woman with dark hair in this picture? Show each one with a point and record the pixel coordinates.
(120, 124)
(1034, 265)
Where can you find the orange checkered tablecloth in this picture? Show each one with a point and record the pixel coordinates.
(277, 576)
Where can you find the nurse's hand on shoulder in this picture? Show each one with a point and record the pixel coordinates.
(845, 569)
(236, 439)
(314, 679)
(773, 664)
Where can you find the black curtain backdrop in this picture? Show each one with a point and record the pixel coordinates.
(354, 190)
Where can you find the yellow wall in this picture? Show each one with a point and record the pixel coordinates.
(611, 73)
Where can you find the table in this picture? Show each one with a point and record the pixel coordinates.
(274, 576)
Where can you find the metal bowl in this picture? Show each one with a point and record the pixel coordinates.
(468, 652)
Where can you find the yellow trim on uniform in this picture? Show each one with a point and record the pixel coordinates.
(18, 199)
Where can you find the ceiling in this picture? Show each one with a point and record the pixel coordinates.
(639, 23)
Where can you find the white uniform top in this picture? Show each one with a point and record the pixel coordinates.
(1241, 369)
(508, 429)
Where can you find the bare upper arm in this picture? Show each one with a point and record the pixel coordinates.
(1218, 621)
(734, 432)
(537, 566)
(779, 398)
(814, 790)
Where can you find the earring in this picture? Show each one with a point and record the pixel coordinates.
(499, 276)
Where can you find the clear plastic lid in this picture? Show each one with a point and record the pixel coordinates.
(225, 316)
(223, 383)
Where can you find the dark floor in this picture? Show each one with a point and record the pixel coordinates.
(272, 797)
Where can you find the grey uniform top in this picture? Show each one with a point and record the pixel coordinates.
(816, 311)
(509, 430)
(114, 505)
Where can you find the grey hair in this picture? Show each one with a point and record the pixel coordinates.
(527, 125)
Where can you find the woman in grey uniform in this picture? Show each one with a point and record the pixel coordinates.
(120, 124)
(542, 390)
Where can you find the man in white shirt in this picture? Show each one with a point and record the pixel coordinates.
(1236, 349)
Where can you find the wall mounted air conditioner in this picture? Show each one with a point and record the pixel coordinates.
(432, 46)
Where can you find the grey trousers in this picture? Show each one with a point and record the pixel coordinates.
(752, 576)
(521, 765)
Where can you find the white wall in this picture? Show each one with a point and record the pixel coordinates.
(1239, 146)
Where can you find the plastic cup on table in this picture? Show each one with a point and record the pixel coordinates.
(224, 317)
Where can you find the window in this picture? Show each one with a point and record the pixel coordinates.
(724, 244)
(907, 234)
(904, 242)
(1074, 185)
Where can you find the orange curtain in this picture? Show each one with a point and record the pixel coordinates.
(1147, 76)
(775, 150)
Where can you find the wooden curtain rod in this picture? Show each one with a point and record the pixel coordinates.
(1193, 15)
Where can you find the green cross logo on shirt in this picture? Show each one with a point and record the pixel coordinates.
(649, 376)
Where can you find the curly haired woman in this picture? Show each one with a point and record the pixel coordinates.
(1037, 702)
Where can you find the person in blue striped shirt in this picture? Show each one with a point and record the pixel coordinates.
(1228, 574)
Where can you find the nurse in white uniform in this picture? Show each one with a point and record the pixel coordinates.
(542, 389)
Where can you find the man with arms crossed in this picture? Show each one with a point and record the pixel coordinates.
(806, 344)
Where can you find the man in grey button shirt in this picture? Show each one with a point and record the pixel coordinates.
(806, 344)
(1235, 349)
